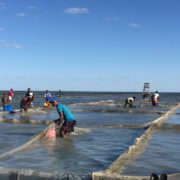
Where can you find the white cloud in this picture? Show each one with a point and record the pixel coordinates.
(5, 44)
(21, 14)
(135, 25)
(76, 11)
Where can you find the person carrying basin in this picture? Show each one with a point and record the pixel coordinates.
(47, 97)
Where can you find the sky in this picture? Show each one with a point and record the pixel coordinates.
(90, 45)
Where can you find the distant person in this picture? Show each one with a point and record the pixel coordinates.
(66, 121)
(30, 96)
(154, 177)
(29, 93)
(47, 96)
(59, 93)
(6, 103)
(25, 104)
(129, 101)
(145, 96)
(10, 95)
(155, 98)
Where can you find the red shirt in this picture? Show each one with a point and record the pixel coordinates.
(11, 93)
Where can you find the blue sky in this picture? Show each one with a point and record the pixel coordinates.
(90, 45)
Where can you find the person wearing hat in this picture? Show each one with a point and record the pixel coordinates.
(66, 121)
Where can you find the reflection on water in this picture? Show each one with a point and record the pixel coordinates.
(113, 129)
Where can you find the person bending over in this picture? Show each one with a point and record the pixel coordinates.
(25, 104)
(129, 101)
(66, 121)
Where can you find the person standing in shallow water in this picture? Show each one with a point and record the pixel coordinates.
(6, 103)
(10, 95)
(25, 103)
(66, 121)
(30, 97)
(155, 98)
(59, 93)
(47, 97)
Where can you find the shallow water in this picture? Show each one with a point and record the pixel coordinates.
(163, 152)
(85, 153)
(102, 113)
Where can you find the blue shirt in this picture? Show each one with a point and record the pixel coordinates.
(47, 96)
(68, 116)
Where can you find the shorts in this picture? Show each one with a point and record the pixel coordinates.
(67, 128)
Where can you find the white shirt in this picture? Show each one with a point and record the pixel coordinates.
(156, 95)
(130, 99)
(31, 94)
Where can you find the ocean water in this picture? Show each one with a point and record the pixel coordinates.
(162, 153)
(109, 131)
